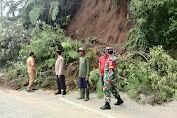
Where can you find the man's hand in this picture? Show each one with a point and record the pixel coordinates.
(86, 78)
(59, 76)
(34, 68)
(100, 75)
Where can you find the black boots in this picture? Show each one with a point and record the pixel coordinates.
(119, 101)
(64, 92)
(59, 92)
(34, 89)
(106, 106)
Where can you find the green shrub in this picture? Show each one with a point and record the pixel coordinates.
(94, 79)
(46, 40)
(155, 24)
(21, 70)
(12, 34)
(152, 74)
(70, 50)
(92, 58)
(44, 43)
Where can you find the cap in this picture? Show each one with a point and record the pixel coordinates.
(109, 49)
(81, 49)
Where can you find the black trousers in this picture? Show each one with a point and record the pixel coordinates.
(61, 83)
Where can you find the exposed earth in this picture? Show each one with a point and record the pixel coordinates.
(99, 19)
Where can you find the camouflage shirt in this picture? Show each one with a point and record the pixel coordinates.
(110, 69)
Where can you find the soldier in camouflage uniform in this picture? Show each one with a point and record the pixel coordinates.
(110, 80)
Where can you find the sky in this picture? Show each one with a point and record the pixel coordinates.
(6, 10)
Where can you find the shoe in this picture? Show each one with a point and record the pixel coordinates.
(105, 107)
(64, 93)
(29, 91)
(80, 98)
(119, 101)
(34, 89)
(59, 92)
(86, 99)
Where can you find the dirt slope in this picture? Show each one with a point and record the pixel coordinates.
(98, 19)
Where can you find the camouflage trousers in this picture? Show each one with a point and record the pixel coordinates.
(108, 89)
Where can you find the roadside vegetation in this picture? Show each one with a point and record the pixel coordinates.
(147, 71)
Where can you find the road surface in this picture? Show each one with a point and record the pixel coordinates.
(44, 104)
(15, 105)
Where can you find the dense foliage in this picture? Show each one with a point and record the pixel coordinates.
(34, 10)
(48, 11)
(12, 34)
(155, 24)
(45, 41)
(94, 79)
(153, 74)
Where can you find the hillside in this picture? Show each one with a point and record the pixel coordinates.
(97, 18)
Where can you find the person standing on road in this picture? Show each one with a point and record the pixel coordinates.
(110, 80)
(84, 70)
(31, 72)
(102, 63)
(60, 73)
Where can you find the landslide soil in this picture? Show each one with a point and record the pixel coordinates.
(98, 18)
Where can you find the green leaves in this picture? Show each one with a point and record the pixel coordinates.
(44, 44)
(155, 24)
(12, 34)
(70, 50)
(50, 62)
(73, 54)
(33, 11)
(94, 79)
(66, 45)
(45, 41)
(94, 76)
(152, 74)
(92, 58)
(34, 14)
(55, 11)
(66, 22)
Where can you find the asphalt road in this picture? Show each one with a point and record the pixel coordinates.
(44, 104)
(23, 105)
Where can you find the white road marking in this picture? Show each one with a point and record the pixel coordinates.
(87, 108)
